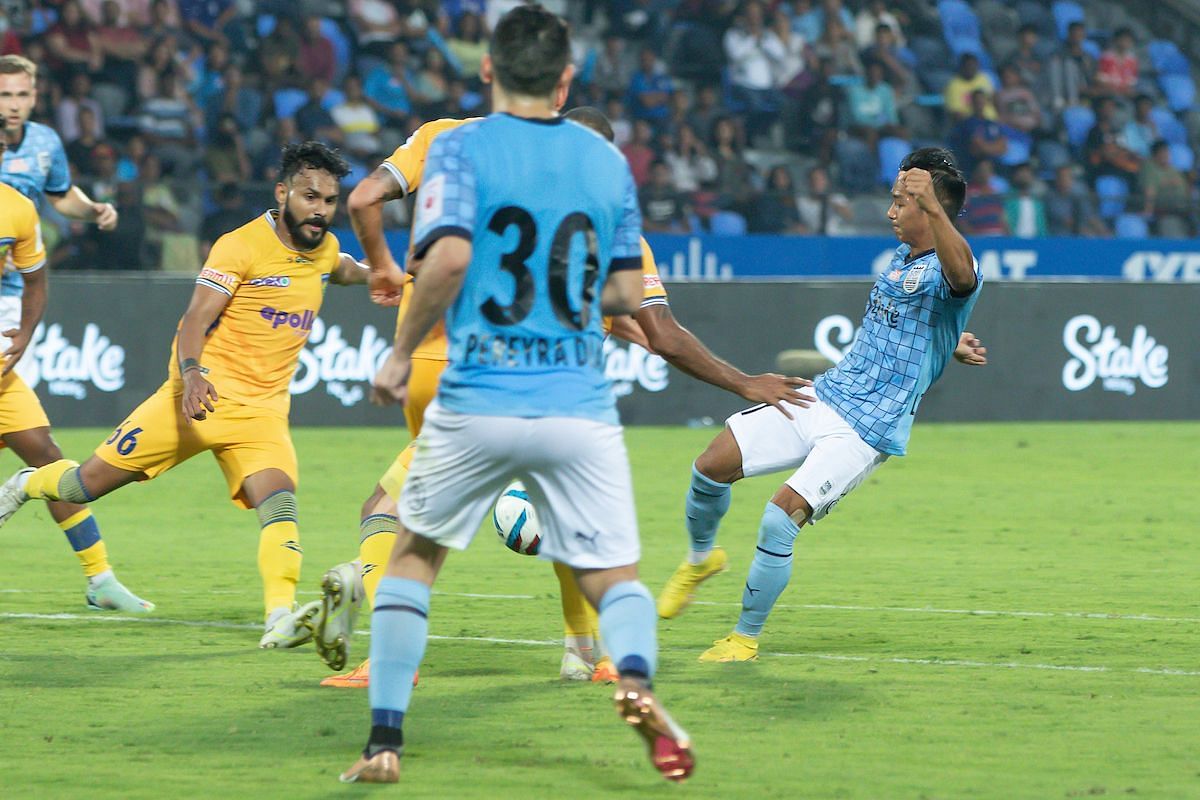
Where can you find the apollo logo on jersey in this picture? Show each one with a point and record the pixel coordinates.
(67, 369)
(1098, 355)
(302, 321)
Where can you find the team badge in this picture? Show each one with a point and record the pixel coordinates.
(913, 279)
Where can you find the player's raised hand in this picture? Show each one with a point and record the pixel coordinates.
(391, 381)
(18, 341)
(198, 396)
(970, 350)
(777, 390)
(386, 284)
(919, 185)
(106, 216)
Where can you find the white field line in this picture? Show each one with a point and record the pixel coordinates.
(930, 662)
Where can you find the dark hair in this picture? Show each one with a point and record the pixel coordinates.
(1027, 28)
(948, 181)
(530, 48)
(1160, 144)
(311, 155)
(591, 117)
(1124, 31)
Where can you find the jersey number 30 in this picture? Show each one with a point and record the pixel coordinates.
(514, 264)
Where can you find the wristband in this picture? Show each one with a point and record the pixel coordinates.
(190, 364)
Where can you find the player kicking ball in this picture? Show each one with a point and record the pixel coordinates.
(529, 228)
(914, 324)
(233, 357)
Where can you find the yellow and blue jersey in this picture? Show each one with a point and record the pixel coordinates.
(37, 166)
(911, 326)
(550, 208)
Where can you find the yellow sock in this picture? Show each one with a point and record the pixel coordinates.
(84, 535)
(279, 556)
(580, 620)
(43, 481)
(378, 536)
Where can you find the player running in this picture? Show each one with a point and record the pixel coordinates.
(866, 405)
(529, 230)
(35, 164)
(233, 357)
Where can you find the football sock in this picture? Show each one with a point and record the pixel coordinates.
(378, 534)
(580, 623)
(58, 481)
(84, 535)
(279, 551)
(628, 625)
(771, 570)
(399, 631)
(707, 502)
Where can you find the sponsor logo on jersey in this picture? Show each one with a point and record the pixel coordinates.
(299, 260)
(67, 369)
(43, 160)
(280, 281)
(302, 321)
(651, 282)
(431, 201)
(1098, 355)
(210, 274)
(883, 309)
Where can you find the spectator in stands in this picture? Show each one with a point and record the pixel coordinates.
(984, 212)
(732, 185)
(871, 106)
(753, 51)
(317, 60)
(813, 22)
(886, 49)
(873, 15)
(162, 57)
(387, 86)
(1141, 131)
(680, 112)
(1016, 106)
(978, 138)
(468, 46)
(788, 72)
(168, 241)
(73, 43)
(123, 48)
(706, 112)
(167, 117)
(1167, 193)
(164, 23)
(691, 165)
(207, 74)
(1070, 210)
(234, 97)
(79, 150)
(1030, 61)
(376, 24)
(1117, 72)
(430, 87)
(357, 120)
(1024, 210)
(77, 99)
(837, 44)
(312, 118)
(266, 161)
(650, 89)
(638, 151)
(1104, 151)
(664, 209)
(1072, 71)
(811, 124)
(226, 160)
(231, 213)
(277, 53)
(959, 92)
(823, 211)
(776, 209)
(208, 20)
(612, 73)
(462, 102)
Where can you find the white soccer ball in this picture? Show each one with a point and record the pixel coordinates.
(515, 521)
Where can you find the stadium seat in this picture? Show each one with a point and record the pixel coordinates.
(858, 167)
(1092, 48)
(1131, 226)
(931, 53)
(1112, 192)
(1169, 126)
(1050, 156)
(1065, 12)
(727, 223)
(892, 151)
(288, 102)
(1182, 157)
(1166, 59)
(997, 19)
(1020, 147)
(341, 47)
(1078, 120)
(960, 26)
(1180, 91)
(264, 25)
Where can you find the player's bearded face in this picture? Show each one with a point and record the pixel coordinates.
(307, 232)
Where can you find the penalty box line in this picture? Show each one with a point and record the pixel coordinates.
(930, 662)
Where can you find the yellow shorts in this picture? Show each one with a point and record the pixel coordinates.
(20, 409)
(422, 386)
(243, 439)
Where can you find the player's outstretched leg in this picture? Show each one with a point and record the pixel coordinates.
(579, 627)
(769, 575)
(272, 493)
(707, 502)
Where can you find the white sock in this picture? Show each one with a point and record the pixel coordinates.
(99, 578)
(580, 646)
(697, 557)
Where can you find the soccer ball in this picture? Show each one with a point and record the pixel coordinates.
(515, 521)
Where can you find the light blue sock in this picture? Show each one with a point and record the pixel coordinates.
(771, 570)
(399, 630)
(707, 502)
(628, 626)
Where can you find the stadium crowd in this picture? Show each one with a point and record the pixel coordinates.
(767, 117)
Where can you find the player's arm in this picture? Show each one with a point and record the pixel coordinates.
(685, 352)
(366, 217)
(198, 394)
(75, 204)
(622, 292)
(349, 271)
(970, 350)
(958, 263)
(33, 306)
(626, 328)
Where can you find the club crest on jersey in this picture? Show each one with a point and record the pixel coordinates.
(913, 279)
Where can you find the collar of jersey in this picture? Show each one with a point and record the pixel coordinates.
(911, 257)
(535, 120)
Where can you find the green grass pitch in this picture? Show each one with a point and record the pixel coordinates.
(1011, 611)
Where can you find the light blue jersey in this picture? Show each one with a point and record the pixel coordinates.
(550, 208)
(38, 166)
(909, 331)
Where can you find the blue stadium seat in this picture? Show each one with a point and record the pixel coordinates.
(1092, 48)
(1169, 126)
(341, 47)
(960, 26)
(288, 102)
(727, 223)
(1078, 120)
(1131, 226)
(1065, 12)
(1166, 59)
(264, 26)
(1050, 156)
(1112, 192)
(1182, 157)
(1180, 91)
(1020, 147)
(892, 151)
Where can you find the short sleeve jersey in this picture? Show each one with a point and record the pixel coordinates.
(909, 331)
(550, 208)
(275, 294)
(653, 291)
(21, 245)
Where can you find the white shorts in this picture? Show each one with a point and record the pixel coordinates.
(575, 470)
(830, 459)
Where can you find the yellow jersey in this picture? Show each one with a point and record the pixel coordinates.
(21, 244)
(653, 291)
(276, 292)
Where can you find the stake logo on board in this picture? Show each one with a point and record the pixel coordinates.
(67, 369)
(1098, 355)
